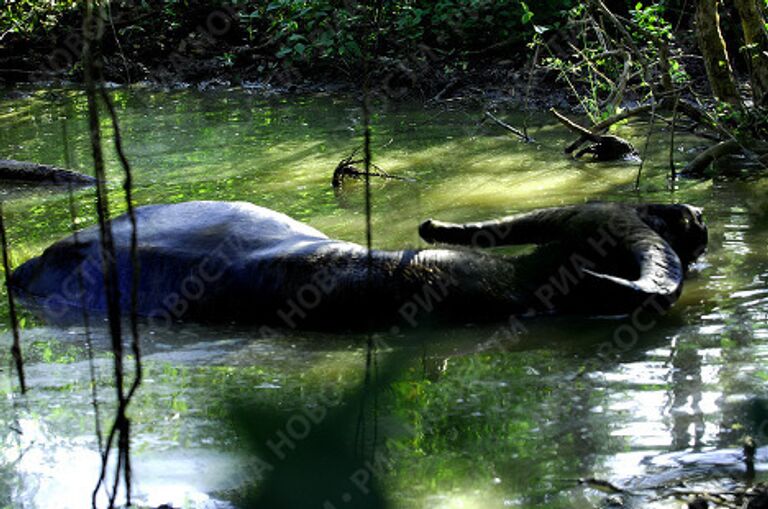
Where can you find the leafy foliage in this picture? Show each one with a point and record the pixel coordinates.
(650, 19)
(308, 32)
(27, 16)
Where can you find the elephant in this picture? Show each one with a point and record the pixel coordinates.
(210, 261)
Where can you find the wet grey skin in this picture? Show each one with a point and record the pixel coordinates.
(236, 262)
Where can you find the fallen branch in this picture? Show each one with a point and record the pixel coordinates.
(351, 171)
(700, 163)
(447, 88)
(604, 147)
(727, 498)
(524, 137)
(347, 168)
(8, 70)
(697, 115)
(604, 486)
(26, 172)
(573, 126)
(690, 110)
(608, 122)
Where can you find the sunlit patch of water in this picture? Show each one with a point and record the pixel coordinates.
(55, 473)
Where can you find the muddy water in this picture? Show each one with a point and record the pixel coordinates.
(476, 416)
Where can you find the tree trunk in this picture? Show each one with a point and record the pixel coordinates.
(712, 46)
(756, 43)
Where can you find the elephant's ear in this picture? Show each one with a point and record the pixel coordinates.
(660, 269)
(537, 227)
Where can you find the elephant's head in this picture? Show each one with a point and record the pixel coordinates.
(682, 226)
(661, 241)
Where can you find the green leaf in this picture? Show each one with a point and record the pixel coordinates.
(527, 14)
(353, 48)
(526, 17)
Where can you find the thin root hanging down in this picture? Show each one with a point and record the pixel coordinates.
(604, 147)
(346, 168)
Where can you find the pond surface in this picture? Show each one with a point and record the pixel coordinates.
(471, 416)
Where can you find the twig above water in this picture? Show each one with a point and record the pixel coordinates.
(347, 168)
(517, 132)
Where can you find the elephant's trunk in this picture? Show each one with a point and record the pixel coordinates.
(660, 271)
(537, 227)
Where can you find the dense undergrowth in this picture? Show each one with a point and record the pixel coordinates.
(414, 40)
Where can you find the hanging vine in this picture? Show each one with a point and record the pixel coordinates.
(119, 432)
(81, 286)
(16, 346)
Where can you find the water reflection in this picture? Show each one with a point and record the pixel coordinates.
(50, 472)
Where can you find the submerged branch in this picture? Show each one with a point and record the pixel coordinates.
(604, 147)
(710, 155)
(675, 104)
(524, 137)
(573, 126)
(347, 168)
(603, 485)
(608, 122)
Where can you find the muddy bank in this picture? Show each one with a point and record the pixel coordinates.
(490, 81)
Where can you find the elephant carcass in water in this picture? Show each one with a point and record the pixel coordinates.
(234, 261)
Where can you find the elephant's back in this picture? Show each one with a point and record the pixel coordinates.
(201, 226)
(200, 249)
